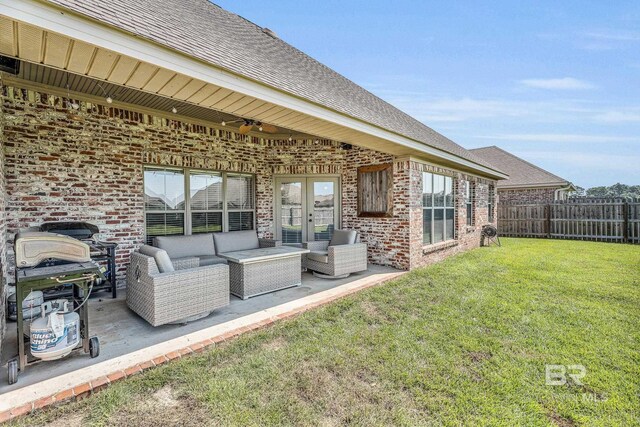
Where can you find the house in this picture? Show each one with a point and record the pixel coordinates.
(181, 117)
(527, 183)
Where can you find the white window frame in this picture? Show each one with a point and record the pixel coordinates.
(468, 201)
(444, 208)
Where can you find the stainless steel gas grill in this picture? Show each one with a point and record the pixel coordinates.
(32, 251)
(102, 252)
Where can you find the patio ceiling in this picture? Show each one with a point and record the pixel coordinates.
(47, 36)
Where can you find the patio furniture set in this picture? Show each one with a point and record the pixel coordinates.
(184, 278)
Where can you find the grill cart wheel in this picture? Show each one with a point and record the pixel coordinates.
(94, 347)
(12, 371)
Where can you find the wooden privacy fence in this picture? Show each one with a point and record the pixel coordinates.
(599, 219)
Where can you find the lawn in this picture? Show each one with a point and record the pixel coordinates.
(463, 342)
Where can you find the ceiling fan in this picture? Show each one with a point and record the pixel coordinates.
(248, 124)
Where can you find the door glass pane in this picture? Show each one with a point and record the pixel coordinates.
(291, 212)
(323, 210)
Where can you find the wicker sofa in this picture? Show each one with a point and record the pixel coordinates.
(337, 258)
(204, 248)
(161, 292)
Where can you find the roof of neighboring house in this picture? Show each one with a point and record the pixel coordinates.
(521, 173)
(207, 32)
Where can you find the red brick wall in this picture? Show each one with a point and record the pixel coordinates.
(524, 196)
(90, 168)
(61, 168)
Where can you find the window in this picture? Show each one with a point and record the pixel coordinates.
(208, 207)
(164, 202)
(491, 203)
(375, 191)
(468, 197)
(438, 210)
(240, 202)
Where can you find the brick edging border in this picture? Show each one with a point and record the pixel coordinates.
(84, 390)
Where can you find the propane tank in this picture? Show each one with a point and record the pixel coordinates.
(30, 305)
(56, 334)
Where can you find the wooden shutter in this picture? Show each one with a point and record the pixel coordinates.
(375, 190)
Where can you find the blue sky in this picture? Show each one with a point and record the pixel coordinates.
(557, 83)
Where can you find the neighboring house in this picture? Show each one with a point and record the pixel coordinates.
(127, 116)
(527, 183)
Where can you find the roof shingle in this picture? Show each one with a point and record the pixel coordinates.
(521, 173)
(206, 31)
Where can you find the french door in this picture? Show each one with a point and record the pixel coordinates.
(307, 208)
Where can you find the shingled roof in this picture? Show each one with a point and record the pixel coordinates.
(521, 173)
(207, 32)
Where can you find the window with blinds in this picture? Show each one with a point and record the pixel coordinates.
(468, 197)
(206, 201)
(438, 211)
(164, 202)
(240, 202)
(216, 201)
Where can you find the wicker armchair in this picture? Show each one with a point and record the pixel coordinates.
(337, 258)
(188, 293)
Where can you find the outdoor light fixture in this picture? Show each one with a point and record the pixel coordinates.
(108, 98)
(223, 123)
(290, 138)
(174, 110)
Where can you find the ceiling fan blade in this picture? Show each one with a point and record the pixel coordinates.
(245, 129)
(269, 128)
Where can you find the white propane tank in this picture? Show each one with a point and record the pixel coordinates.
(30, 305)
(54, 335)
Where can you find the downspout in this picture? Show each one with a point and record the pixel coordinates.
(557, 192)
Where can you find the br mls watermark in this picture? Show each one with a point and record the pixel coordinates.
(557, 374)
(560, 375)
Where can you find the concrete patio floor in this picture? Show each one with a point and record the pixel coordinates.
(122, 332)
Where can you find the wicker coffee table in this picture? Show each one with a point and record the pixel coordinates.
(259, 271)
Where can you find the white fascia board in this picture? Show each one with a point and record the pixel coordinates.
(65, 22)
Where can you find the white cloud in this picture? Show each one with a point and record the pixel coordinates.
(565, 83)
(618, 116)
(591, 161)
(559, 137)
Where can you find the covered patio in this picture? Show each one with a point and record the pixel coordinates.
(130, 344)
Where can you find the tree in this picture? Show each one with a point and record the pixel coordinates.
(616, 190)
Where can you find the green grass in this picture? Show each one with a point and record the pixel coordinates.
(463, 342)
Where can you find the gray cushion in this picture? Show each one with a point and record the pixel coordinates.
(319, 256)
(343, 237)
(186, 246)
(160, 256)
(211, 260)
(236, 241)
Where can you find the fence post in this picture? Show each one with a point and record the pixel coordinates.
(547, 210)
(625, 221)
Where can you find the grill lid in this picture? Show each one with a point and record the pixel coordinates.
(75, 229)
(33, 247)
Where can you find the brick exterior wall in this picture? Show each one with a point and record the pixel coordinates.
(527, 195)
(3, 229)
(87, 165)
(466, 237)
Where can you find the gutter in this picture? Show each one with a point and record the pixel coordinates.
(567, 188)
